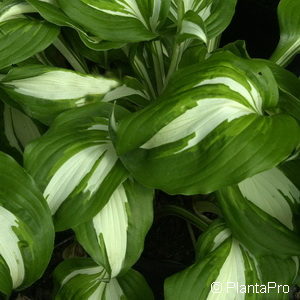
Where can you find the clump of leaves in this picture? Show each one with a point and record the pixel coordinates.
(104, 102)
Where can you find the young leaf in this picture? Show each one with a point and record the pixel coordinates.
(23, 38)
(223, 261)
(75, 164)
(132, 90)
(136, 20)
(147, 61)
(225, 270)
(208, 129)
(82, 279)
(14, 9)
(289, 23)
(114, 237)
(268, 200)
(26, 231)
(215, 15)
(43, 92)
(192, 27)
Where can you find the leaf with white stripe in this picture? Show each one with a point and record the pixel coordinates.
(222, 259)
(23, 38)
(131, 90)
(192, 27)
(268, 200)
(136, 20)
(82, 279)
(226, 261)
(14, 9)
(43, 92)
(51, 12)
(289, 22)
(148, 61)
(114, 237)
(26, 231)
(215, 16)
(75, 164)
(209, 129)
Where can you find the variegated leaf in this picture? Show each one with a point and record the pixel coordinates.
(268, 200)
(23, 38)
(43, 92)
(82, 279)
(192, 27)
(115, 236)
(75, 164)
(226, 270)
(14, 9)
(132, 90)
(148, 62)
(289, 23)
(209, 129)
(213, 17)
(135, 20)
(26, 231)
(52, 13)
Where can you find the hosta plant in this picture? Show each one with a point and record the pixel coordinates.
(106, 105)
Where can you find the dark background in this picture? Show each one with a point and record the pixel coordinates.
(255, 21)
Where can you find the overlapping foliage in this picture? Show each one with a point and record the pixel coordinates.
(104, 102)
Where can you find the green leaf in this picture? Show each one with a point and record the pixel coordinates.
(19, 129)
(216, 15)
(195, 53)
(22, 38)
(75, 164)
(289, 23)
(192, 27)
(281, 271)
(147, 60)
(114, 238)
(6, 284)
(136, 21)
(208, 129)
(52, 13)
(14, 9)
(221, 259)
(82, 279)
(43, 92)
(26, 232)
(289, 86)
(290, 104)
(224, 269)
(265, 201)
(238, 48)
(132, 90)
(288, 82)
(77, 62)
(220, 15)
